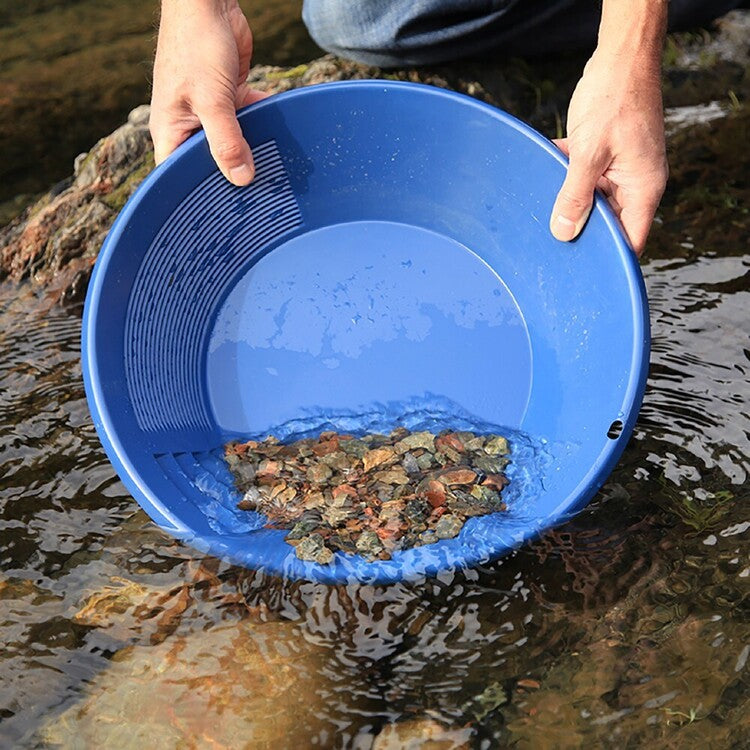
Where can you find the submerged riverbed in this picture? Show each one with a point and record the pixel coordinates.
(627, 627)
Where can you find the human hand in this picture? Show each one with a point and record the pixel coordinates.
(616, 143)
(202, 60)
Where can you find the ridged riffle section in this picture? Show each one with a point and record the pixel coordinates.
(212, 234)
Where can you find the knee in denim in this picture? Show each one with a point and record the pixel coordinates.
(343, 25)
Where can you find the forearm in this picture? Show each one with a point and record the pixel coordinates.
(632, 33)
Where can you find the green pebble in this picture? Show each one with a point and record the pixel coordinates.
(428, 537)
(369, 542)
(496, 446)
(448, 526)
(313, 549)
(425, 461)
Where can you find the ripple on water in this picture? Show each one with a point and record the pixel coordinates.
(698, 393)
(610, 628)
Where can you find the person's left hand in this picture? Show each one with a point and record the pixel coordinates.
(616, 143)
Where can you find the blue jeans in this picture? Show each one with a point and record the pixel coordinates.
(392, 33)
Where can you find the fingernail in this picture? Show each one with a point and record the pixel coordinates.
(241, 175)
(563, 229)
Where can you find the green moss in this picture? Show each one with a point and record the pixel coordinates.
(672, 52)
(295, 72)
(43, 202)
(119, 196)
(699, 514)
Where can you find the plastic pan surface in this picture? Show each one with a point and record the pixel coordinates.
(390, 263)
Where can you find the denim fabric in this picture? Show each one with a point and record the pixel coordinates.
(391, 33)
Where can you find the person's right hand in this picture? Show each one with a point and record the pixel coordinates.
(202, 60)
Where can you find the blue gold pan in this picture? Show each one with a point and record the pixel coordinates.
(390, 264)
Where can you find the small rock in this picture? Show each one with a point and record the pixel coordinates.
(496, 446)
(250, 499)
(448, 526)
(426, 461)
(338, 461)
(244, 471)
(268, 468)
(451, 442)
(377, 457)
(369, 544)
(314, 499)
(313, 549)
(470, 441)
(343, 494)
(103, 608)
(301, 529)
(489, 464)
(410, 463)
(422, 734)
(324, 447)
(424, 440)
(428, 537)
(337, 516)
(354, 448)
(458, 476)
(490, 699)
(496, 482)
(415, 511)
(391, 509)
(528, 684)
(434, 491)
(319, 473)
(392, 476)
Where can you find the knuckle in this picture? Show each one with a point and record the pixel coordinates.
(573, 203)
(585, 152)
(229, 152)
(214, 103)
(212, 108)
(588, 150)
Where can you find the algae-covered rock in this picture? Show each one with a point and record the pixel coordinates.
(243, 686)
(423, 734)
(55, 241)
(106, 606)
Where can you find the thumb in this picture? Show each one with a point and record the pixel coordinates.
(228, 146)
(574, 201)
